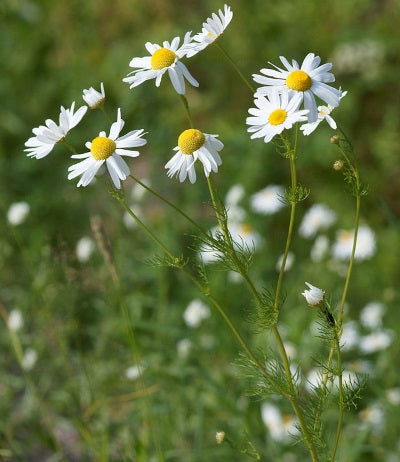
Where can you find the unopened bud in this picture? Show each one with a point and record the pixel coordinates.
(338, 165)
(313, 295)
(219, 437)
(334, 139)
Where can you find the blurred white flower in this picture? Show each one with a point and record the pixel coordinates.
(234, 277)
(15, 320)
(314, 379)
(195, 313)
(374, 417)
(313, 295)
(84, 249)
(127, 218)
(134, 372)
(244, 234)
(365, 249)
(319, 248)
(280, 427)
(291, 349)
(93, 98)
(235, 213)
(268, 200)
(29, 359)
(183, 347)
(138, 192)
(289, 262)
(371, 315)
(47, 136)
(376, 341)
(350, 336)
(17, 213)
(393, 396)
(219, 437)
(318, 217)
(234, 195)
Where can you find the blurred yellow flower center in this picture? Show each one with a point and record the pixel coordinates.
(162, 58)
(277, 117)
(190, 140)
(210, 34)
(299, 81)
(246, 229)
(345, 235)
(102, 147)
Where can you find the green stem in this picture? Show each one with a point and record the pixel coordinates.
(234, 65)
(187, 109)
(103, 110)
(341, 404)
(69, 146)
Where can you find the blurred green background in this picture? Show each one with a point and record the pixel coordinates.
(76, 402)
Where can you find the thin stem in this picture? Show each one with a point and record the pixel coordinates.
(340, 421)
(103, 110)
(170, 204)
(69, 146)
(187, 109)
(234, 65)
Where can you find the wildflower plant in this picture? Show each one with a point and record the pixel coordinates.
(283, 109)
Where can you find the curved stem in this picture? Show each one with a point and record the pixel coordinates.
(234, 65)
(103, 110)
(187, 109)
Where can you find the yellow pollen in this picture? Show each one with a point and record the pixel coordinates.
(210, 34)
(190, 140)
(245, 229)
(299, 81)
(277, 117)
(163, 57)
(102, 148)
(345, 235)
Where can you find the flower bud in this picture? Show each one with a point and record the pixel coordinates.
(338, 165)
(334, 139)
(314, 296)
(219, 437)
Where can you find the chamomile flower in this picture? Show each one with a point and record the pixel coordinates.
(274, 114)
(93, 98)
(268, 201)
(313, 295)
(308, 80)
(318, 217)
(162, 59)
(47, 136)
(366, 244)
(211, 31)
(193, 145)
(323, 114)
(109, 150)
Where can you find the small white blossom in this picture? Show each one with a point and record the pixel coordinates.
(318, 217)
(320, 248)
(15, 320)
(371, 315)
(268, 200)
(93, 98)
(183, 347)
(195, 313)
(234, 195)
(313, 295)
(365, 248)
(280, 427)
(374, 417)
(29, 359)
(377, 341)
(84, 248)
(393, 396)
(17, 213)
(134, 372)
(350, 336)
(219, 437)
(289, 262)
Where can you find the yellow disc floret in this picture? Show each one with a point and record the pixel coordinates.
(277, 117)
(191, 140)
(299, 81)
(102, 147)
(163, 57)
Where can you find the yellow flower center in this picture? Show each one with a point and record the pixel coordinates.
(190, 140)
(345, 236)
(299, 81)
(163, 57)
(102, 148)
(277, 117)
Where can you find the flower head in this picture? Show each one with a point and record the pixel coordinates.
(343, 246)
(195, 313)
(47, 136)
(162, 59)
(268, 201)
(280, 427)
(313, 295)
(317, 217)
(308, 80)
(93, 98)
(211, 31)
(193, 145)
(17, 213)
(109, 150)
(323, 114)
(273, 114)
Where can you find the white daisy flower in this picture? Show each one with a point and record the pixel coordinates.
(365, 248)
(323, 114)
(15, 320)
(84, 248)
(109, 150)
(313, 295)
(371, 315)
(274, 114)
(318, 217)
(161, 60)
(268, 201)
(195, 313)
(17, 213)
(93, 98)
(47, 136)
(193, 145)
(350, 336)
(319, 248)
(280, 427)
(211, 31)
(289, 262)
(377, 341)
(244, 235)
(308, 80)
(29, 359)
